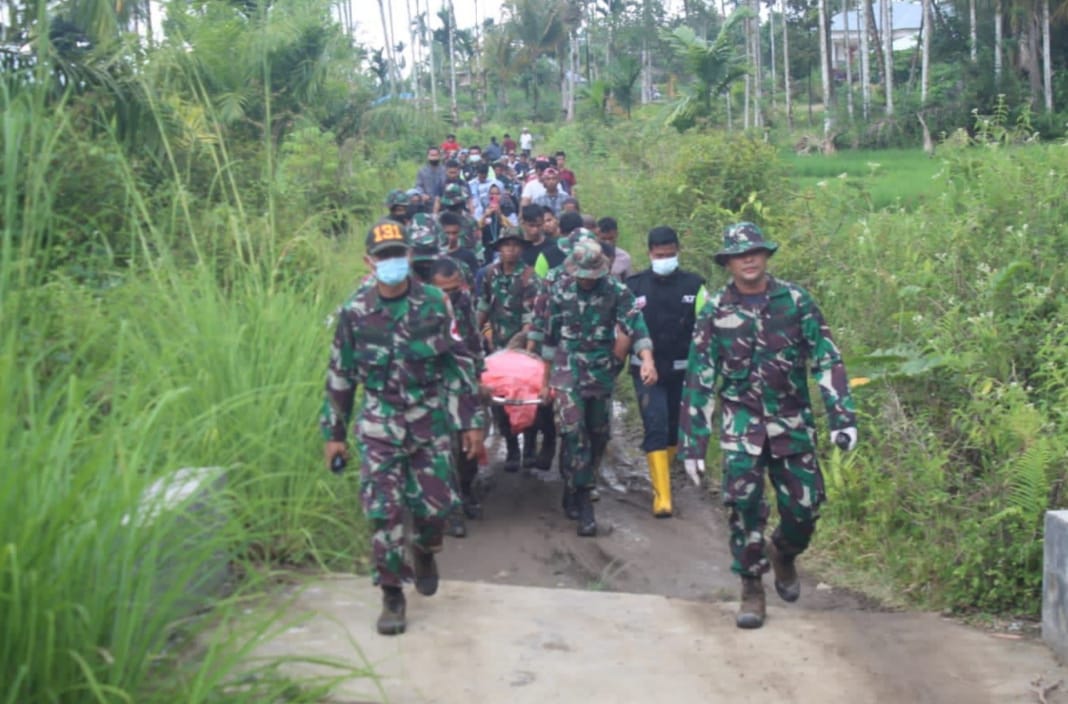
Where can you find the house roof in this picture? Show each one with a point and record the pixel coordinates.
(906, 16)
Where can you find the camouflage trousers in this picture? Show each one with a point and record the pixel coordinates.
(416, 476)
(585, 425)
(799, 491)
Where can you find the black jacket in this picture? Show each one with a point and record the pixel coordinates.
(668, 304)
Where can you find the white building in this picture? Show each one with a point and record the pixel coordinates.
(906, 20)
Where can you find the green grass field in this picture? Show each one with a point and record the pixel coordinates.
(889, 177)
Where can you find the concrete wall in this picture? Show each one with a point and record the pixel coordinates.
(1055, 584)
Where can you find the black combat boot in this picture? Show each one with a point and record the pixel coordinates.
(752, 610)
(570, 504)
(587, 523)
(472, 507)
(544, 460)
(457, 527)
(392, 620)
(511, 460)
(426, 572)
(530, 442)
(787, 583)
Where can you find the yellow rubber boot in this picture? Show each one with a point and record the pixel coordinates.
(660, 475)
(672, 450)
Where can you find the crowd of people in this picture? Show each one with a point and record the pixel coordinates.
(465, 264)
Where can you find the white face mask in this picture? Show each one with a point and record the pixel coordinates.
(663, 267)
(474, 158)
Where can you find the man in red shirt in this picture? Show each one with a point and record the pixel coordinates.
(450, 144)
(508, 144)
(567, 176)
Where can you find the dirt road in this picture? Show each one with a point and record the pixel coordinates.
(529, 612)
(525, 540)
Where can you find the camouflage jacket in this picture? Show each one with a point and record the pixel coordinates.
(756, 360)
(463, 306)
(507, 300)
(417, 374)
(541, 303)
(578, 333)
(470, 237)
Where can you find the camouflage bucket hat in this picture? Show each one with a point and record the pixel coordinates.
(396, 197)
(424, 238)
(587, 260)
(453, 194)
(741, 238)
(508, 234)
(566, 244)
(386, 234)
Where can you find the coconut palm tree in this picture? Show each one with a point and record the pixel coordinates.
(537, 27)
(714, 65)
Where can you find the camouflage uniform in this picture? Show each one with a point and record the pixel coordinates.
(470, 233)
(419, 386)
(425, 253)
(579, 332)
(506, 303)
(545, 423)
(507, 300)
(753, 354)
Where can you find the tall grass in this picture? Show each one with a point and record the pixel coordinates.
(889, 177)
(111, 382)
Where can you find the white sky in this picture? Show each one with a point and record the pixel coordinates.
(369, 23)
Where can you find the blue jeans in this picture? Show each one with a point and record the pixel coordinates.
(659, 407)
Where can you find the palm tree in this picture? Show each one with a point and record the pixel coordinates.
(1047, 68)
(888, 54)
(715, 66)
(449, 16)
(825, 77)
(865, 59)
(786, 68)
(388, 54)
(925, 68)
(538, 28)
(998, 41)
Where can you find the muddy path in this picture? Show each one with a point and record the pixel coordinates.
(524, 538)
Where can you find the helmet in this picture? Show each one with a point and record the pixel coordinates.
(396, 197)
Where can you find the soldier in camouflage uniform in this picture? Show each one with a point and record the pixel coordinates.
(452, 276)
(424, 236)
(752, 343)
(397, 202)
(579, 334)
(542, 457)
(454, 199)
(398, 338)
(447, 274)
(505, 306)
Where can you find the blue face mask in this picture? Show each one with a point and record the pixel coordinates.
(391, 271)
(663, 267)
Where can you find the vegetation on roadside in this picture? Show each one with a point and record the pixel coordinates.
(177, 222)
(952, 305)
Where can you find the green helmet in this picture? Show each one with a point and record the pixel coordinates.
(396, 197)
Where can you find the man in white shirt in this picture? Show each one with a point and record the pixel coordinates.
(526, 141)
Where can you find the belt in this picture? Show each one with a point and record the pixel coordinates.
(678, 365)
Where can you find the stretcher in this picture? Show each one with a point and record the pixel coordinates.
(515, 379)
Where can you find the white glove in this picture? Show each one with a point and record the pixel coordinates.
(850, 433)
(694, 470)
